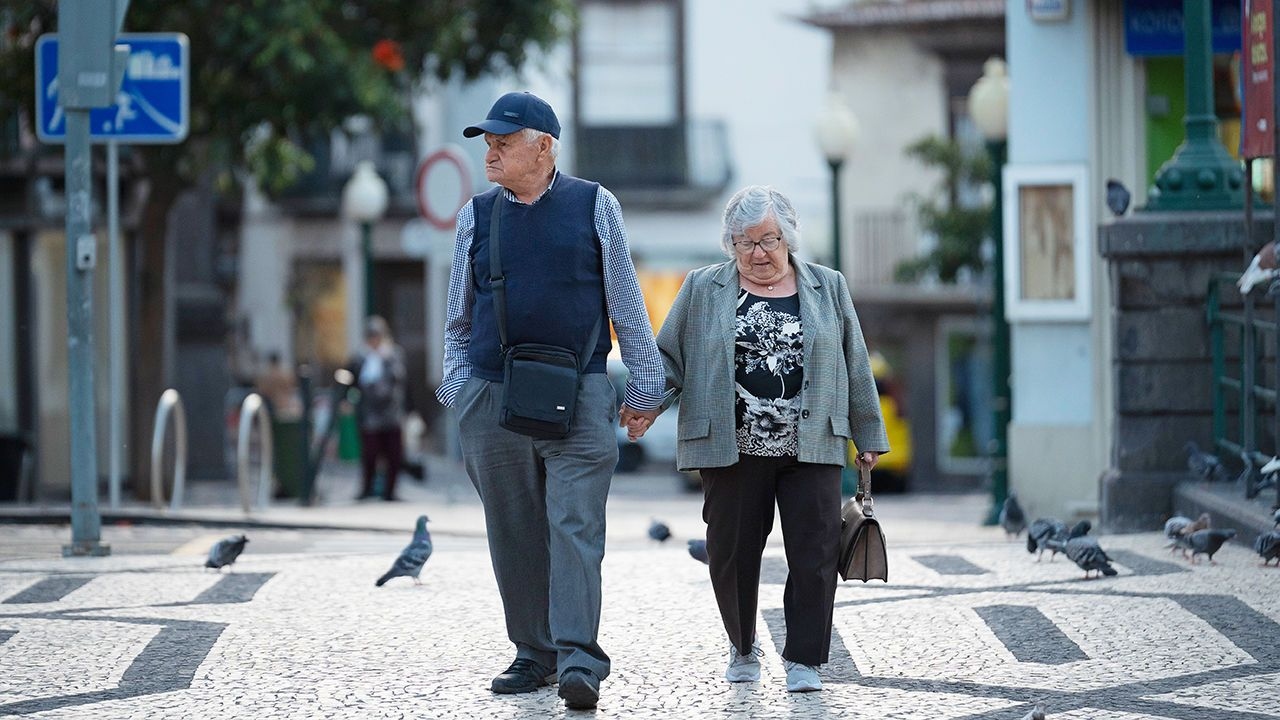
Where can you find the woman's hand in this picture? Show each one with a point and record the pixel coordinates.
(636, 422)
(867, 459)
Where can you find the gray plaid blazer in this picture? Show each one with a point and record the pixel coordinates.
(838, 397)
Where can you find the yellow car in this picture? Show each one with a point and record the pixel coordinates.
(892, 470)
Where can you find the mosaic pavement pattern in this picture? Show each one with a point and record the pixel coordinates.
(969, 632)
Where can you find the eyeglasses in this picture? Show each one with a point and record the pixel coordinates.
(768, 243)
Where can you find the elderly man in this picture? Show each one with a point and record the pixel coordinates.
(567, 270)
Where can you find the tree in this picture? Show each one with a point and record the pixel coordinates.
(267, 76)
(959, 229)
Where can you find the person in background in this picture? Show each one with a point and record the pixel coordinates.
(278, 385)
(566, 265)
(768, 357)
(380, 376)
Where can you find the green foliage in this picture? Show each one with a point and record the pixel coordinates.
(267, 74)
(959, 230)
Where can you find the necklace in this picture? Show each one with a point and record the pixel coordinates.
(753, 282)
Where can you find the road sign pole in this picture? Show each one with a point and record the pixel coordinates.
(115, 341)
(86, 524)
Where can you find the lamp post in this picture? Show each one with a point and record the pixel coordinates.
(989, 108)
(836, 131)
(364, 200)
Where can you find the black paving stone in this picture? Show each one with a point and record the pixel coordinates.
(234, 588)
(50, 589)
(1030, 635)
(949, 565)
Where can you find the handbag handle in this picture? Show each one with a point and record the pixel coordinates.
(864, 491)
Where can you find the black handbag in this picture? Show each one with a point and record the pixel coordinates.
(862, 550)
(540, 382)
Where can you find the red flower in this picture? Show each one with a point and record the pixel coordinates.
(387, 54)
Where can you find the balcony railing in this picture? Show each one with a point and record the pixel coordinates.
(878, 241)
(679, 165)
(319, 191)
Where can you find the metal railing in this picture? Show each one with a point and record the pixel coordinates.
(1255, 400)
(254, 408)
(170, 406)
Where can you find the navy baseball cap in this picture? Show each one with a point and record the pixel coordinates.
(517, 111)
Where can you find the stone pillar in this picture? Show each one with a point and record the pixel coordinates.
(1159, 266)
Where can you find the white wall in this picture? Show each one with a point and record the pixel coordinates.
(266, 241)
(765, 74)
(898, 93)
(1054, 454)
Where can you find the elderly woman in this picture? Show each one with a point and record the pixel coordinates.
(767, 354)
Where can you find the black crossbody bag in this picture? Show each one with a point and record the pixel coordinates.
(540, 382)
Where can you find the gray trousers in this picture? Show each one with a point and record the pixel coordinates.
(544, 509)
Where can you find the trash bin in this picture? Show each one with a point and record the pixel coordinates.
(12, 448)
(348, 436)
(288, 446)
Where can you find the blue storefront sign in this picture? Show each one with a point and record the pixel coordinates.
(1154, 27)
(151, 107)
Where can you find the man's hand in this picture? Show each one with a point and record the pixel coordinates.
(637, 422)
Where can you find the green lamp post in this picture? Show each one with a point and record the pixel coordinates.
(989, 108)
(1201, 175)
(364, 200)
(836, 132)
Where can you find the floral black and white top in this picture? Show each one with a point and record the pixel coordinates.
(769, 369)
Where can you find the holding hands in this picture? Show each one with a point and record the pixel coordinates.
(637, 422)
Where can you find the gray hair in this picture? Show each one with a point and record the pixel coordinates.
(750, 207)
(531, 136)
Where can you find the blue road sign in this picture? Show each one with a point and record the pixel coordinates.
(152, 106)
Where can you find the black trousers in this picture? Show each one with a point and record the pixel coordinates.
(384, 444)
(738, 503)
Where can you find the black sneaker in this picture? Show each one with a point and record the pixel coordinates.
(523, 676)
(580, 688)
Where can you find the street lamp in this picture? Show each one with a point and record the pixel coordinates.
(364, 200)
(836, 132)
(989, 108)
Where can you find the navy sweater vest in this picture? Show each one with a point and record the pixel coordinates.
(552, 262)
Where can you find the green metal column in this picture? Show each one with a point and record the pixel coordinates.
(1001, 363)
(835, 213)
(1201, 175)
(366, 254)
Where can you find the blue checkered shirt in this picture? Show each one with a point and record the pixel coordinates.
(646, 382)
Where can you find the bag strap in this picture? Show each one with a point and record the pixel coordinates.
(864, 491)
(497, 282)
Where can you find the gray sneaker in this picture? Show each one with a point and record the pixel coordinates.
(744, 668)
(801, 678)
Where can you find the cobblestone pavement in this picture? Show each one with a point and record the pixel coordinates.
(970, 627)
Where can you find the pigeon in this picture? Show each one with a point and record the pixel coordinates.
(1207, 542)
(1089, 556)
(412, 557)
(1268, 547)
(659, 531)
(225, 551)
(1036, 713)
(1117, 197)
(1182, 539)
(1205, 466)
(1276, 516)
(1261, 269)
(1180, 527)
(1269, 472)
(1174, 525)
(1012, 519)
(1041, 532)
(698, 551)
